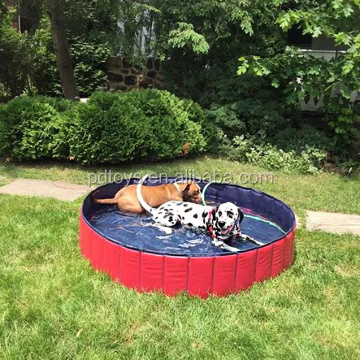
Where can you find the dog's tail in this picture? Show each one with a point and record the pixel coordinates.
(102, 201)
(142, 202)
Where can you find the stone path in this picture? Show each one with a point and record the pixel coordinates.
(333, 222)
(56, 189)
(315, 220)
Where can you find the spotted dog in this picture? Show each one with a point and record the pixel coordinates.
(222, 221)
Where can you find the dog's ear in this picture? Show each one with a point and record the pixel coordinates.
(241, 215)
(187, 187)
(214, 218)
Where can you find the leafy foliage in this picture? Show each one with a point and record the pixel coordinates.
(251, 116)
(110, 128)
(185, 35)
(29, 126)
(14, 59)
(44, 76)
(207, 22)
(300, 74)
(226, 118)
(306, 160)
(250, 106)
(201, 41)
(213, 135)
(28, 62)
(89, 54)
(89, 58)
(138, 125)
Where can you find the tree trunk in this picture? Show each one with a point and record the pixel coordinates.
(61, 47)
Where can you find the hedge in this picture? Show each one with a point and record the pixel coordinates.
(144, 125)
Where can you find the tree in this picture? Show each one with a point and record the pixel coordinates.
(61, 48)
(198, 25)
(300, 74)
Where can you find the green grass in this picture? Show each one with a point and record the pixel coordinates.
(329, 192)
(53, 305)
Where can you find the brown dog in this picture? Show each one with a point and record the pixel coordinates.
(126, 198)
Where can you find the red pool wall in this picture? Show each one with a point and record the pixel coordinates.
(198, 276)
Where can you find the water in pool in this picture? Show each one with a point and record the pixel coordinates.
(138, 231)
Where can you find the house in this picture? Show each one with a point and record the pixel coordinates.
(25, 17)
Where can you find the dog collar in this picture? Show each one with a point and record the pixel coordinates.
(209, 226)
(178, 188)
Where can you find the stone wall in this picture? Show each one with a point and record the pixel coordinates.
(123, 76)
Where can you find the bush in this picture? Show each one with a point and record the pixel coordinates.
(110, 128)
(137, 125)
(213, 135)
(89, 56)
(226, 119)
(290, 138)
(29, 127)
(302, 158)
(249, 116)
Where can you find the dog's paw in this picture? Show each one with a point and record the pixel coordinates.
(222, 245)
(165, 229)
(230, 248)
(252, 240)
(216, 242)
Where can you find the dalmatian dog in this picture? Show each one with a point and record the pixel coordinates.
(222, 221)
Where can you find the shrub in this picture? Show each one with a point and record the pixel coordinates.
(89, 56)
(225, 118)
(290, 138)
(110, 128)
(309, 159)
(249, 116)
(213, 135)
(137, 125)
(29, 126)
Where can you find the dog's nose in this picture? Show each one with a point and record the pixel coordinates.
(221, 224)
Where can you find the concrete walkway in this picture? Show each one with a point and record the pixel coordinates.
(333, 222)
(55, 189)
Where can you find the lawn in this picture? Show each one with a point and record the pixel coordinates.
(54, 306)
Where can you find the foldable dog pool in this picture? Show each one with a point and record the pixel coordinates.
(141, 256)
